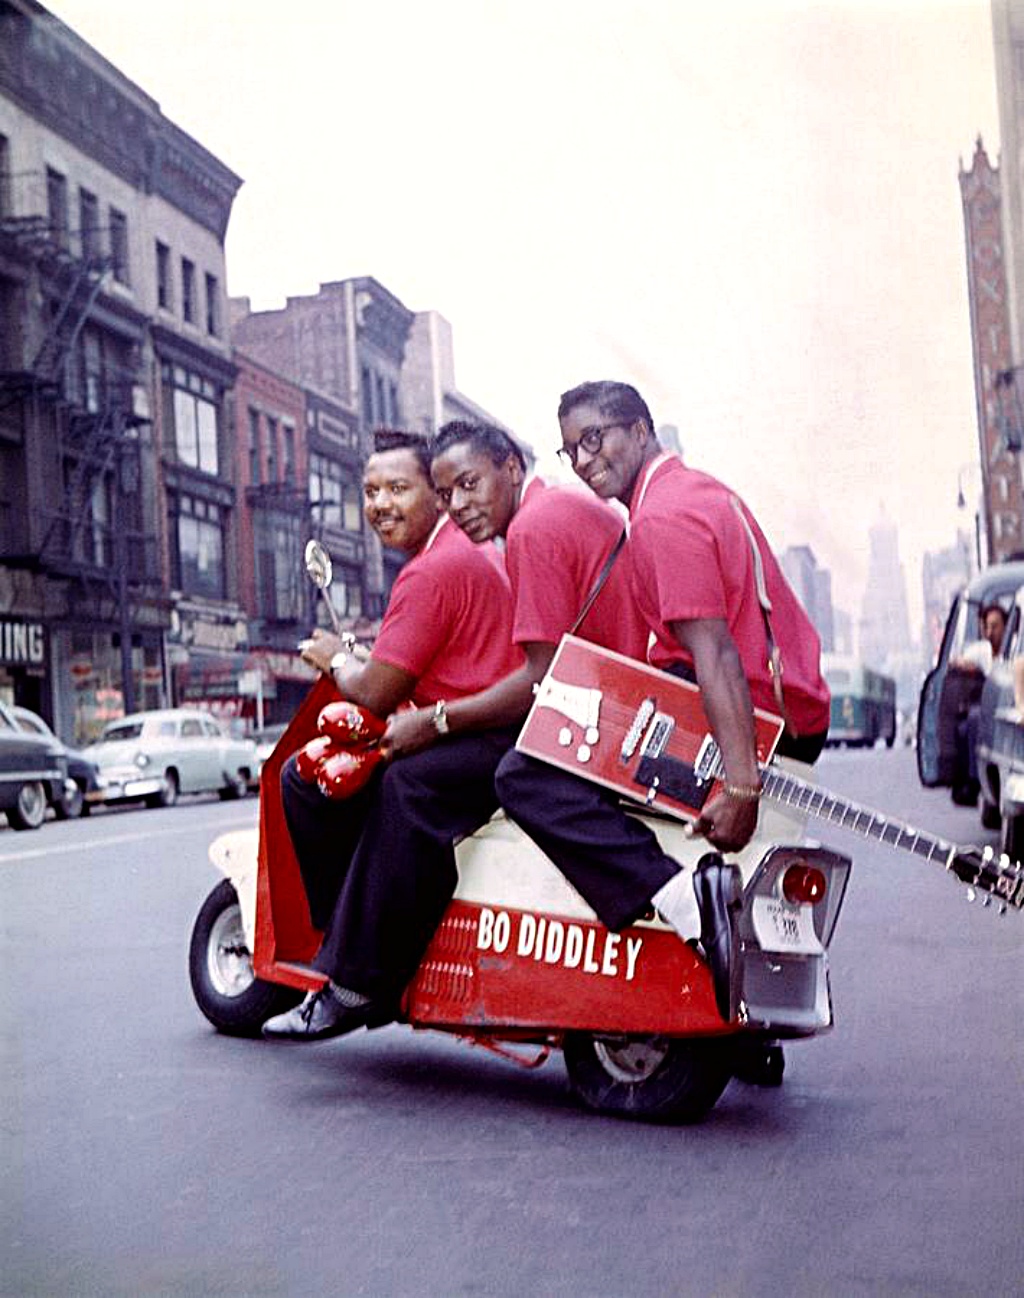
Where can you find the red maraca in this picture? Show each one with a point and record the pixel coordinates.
(349, 724)
(345, 771)
(310, 757)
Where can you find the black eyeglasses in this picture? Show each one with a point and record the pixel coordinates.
(591, 439)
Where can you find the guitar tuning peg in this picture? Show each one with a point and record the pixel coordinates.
(971, 894)
(986, 900)
(1005, 861)
(987, 854)
(1002, 908)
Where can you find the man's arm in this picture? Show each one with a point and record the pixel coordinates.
(727, 821)
(375, 685)
(501, 704)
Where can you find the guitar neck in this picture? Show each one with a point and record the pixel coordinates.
(794, 792)
(998, 878)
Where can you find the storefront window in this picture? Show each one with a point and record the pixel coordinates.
(95, 668)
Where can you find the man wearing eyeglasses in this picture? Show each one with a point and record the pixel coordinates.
(695, 553)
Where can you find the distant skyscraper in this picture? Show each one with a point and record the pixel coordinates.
(884, 622)
(668, 436)
(813, 588)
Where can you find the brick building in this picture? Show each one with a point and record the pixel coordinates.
(118, 529)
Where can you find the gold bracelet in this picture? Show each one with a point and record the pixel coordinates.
(743, 792)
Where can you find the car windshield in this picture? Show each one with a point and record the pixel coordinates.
(123, 730)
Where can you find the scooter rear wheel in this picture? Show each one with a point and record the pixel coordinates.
(220, 967)
(656, 1079)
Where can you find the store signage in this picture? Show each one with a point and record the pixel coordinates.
(22, 644)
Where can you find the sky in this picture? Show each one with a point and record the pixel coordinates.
(750, 211)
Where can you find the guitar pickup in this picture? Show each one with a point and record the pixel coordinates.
(658, 734)
(636, 728)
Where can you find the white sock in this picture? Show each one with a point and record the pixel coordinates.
(676, 903)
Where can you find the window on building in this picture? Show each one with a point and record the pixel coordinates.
(255, 466)
(191, 407)
(367, 387)
(288, 455)
(212, 306)
(188, 290)
(271, 449)
(382, 416)
(396, 414)
(197, 546)
(57, 205)
(119, 245)
(335, 493)
(5, 176)
(163, 276)
(89, 223)
(280, 592)
(347, 590)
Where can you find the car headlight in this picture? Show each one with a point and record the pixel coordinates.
(142, 760)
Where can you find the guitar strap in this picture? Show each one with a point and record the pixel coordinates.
(774, 653)
(602, 577)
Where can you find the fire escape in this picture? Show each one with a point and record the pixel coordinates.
(83, 441)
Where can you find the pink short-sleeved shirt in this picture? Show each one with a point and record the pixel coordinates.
(449, 619)
(556, 546)
(692, 559)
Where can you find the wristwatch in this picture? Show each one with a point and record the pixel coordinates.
(441, 717)
(339, 660)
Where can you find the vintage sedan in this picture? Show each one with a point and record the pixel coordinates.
(33, 773)
(155, 756)
(81, 772)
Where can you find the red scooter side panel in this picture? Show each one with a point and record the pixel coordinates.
(495, 968)
(284, 932)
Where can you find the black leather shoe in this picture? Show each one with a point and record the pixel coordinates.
(718, 886)
(322, 1015)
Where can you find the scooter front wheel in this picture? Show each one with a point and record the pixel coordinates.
(657, 1079)
(220, 967)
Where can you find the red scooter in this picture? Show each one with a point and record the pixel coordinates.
(522, 966)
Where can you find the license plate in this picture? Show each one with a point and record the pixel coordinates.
(782, 927)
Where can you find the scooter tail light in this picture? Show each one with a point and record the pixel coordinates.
(804, 884)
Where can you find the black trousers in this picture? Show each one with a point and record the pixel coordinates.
(612, 859)
(390, 863)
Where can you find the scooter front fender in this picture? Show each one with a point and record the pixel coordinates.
(235, 855)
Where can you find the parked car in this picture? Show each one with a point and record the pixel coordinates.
(266, 741)
(81, 771)
(1000, 737)
(949, 692)
(155, 756)
(33, 772)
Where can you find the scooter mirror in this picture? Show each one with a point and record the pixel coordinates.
(318, 564)
(321, 573)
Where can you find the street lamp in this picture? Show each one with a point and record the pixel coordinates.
(961, 503)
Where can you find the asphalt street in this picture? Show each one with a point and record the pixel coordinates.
(145, 1154)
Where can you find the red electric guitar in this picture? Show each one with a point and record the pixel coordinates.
(644, 734)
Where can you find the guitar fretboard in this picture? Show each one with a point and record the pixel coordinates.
(794, 792)
(1000, 878)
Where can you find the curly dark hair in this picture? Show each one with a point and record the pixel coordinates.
(397, 439)
(614, 400)
(484, 438)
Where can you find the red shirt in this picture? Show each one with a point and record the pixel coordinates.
(449, 619)
(692, 559)
(555, 548)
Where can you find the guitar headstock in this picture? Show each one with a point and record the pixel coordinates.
(997, 877)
